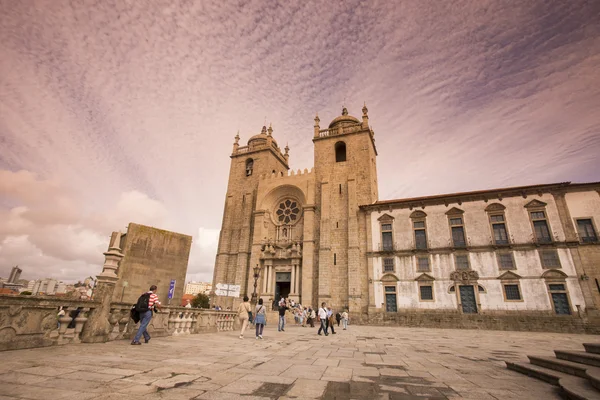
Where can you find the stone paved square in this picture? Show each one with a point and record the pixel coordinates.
(360, 363)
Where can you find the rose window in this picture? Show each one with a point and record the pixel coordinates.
(288, 211)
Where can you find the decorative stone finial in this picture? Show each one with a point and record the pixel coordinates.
(264, 130)
(365, 110)
(287, 149)
(237, 137)
(270, 129)
(317, 119)
(344, 111)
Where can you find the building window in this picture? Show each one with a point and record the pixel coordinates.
(288, 211)
(499, 229)
(587, 233)
(462, 261)
(458, 232)
(340, 152)
(512, 292)
(390, 299)
(540, 227)
(249, 166)
(420, 235)
(426, 292)
(560, 298)
(480, 289)
(423, 264)
(506, 261)
(549, 258)
(386, 237)
(388, 265)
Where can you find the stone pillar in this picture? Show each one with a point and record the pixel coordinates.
(587, 286)
(293, 281)
(98, 328)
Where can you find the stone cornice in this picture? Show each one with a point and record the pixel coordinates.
(481, 195)
(479, 249)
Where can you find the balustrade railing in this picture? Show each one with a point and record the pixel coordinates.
(37, 321)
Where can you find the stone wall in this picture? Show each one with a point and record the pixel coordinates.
(152, 257)
(503, 321)
(33, 321)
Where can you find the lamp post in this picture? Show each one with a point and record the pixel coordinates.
(256, 276)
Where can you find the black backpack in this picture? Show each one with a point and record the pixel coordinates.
(143, 303)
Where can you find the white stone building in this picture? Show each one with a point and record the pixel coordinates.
(506, 249)
(197, 287)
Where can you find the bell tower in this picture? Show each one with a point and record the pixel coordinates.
(261, 156)
(346, 177)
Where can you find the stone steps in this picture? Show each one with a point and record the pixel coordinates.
(581, 357)
(593, 375)
(566, 367)
(578, 389)
(544, 374)
(592, 347)
(575, 372)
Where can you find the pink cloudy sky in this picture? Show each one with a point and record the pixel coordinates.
(119, 111)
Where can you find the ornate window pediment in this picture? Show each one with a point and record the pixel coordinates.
(554, 274)
(464, 277)
(495, 207)
(389, 278)
(535, 204)
(385, 218)
(509, 276)
(418, 214)
(455, 211)
(424, 278)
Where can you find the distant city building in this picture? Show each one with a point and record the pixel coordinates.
(13, 280)
(198, 287)
(48, 287)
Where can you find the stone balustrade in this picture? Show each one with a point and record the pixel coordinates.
(33, 321)
(27, 321)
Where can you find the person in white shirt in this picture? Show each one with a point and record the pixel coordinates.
(323, 319)
(345, 319)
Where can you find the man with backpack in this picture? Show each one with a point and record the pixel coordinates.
(146, 304)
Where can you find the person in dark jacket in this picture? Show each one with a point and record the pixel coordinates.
(338, 317)
(282, 308)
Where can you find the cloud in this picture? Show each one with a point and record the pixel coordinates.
(127, 112)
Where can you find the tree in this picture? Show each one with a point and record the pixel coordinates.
(200, 301)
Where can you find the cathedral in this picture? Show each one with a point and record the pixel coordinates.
(322, 235)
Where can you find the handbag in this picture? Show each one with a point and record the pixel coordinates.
(249, 316)
(260, 318)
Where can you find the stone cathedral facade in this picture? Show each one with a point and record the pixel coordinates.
(323, 235)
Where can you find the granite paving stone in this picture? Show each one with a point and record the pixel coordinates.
(371, 362)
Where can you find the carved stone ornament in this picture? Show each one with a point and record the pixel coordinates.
(385, 218)
(535, 204)
(454, 211)
(464, 277)
(494, 207)
(418, 214)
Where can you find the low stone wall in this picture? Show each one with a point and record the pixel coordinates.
(28, 321)
(503, 321)
(33, 321)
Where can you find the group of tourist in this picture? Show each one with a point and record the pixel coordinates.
(303, 316)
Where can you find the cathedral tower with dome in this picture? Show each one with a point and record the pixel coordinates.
(301, 228)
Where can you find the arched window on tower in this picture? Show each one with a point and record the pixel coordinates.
(249, 166)
(340, 152)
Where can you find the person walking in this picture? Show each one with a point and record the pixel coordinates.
(243, 315)
(323, 319)
(345, 319)
(261, 318)
(313, 316)
(338, 317)
(282, 307)
(146, 304)
(330, 319)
